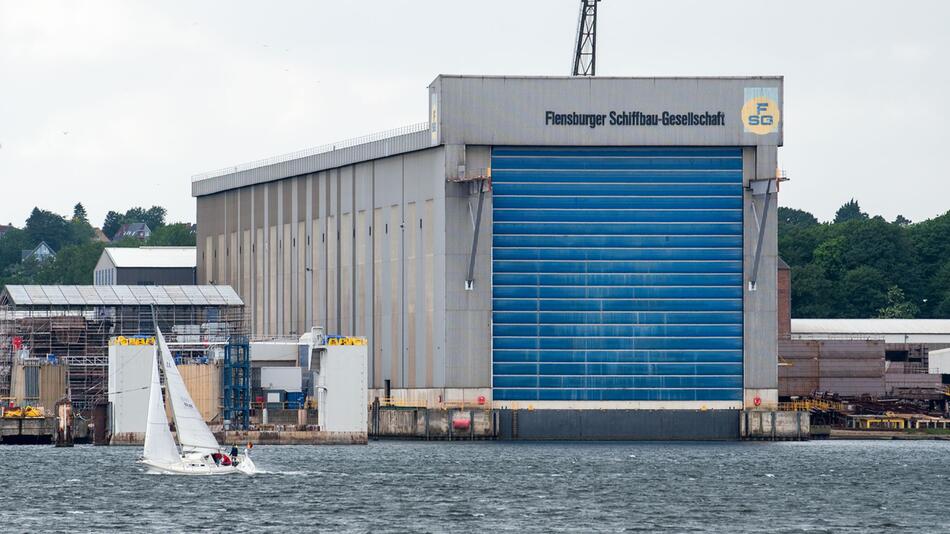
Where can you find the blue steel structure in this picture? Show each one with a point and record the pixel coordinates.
(236, 383)
(617, 274)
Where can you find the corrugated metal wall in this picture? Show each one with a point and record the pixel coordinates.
(52, 385)
(204, 386)
(846, 367)
(617, 274)
(358, 250)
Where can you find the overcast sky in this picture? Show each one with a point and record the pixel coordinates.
(117, 104)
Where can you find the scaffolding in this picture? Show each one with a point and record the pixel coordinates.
(237, 383)
(77, 336)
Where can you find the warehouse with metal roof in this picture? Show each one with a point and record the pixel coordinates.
(565, 244)
(146, 266)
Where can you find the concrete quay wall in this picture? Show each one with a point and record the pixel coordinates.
(434, 424)
(774, 426)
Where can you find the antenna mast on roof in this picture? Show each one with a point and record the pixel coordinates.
(585, 53)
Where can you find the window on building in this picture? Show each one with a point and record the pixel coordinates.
(895, 355)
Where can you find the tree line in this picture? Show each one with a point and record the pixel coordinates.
(855, 266)
(76, 245)
(858, 266)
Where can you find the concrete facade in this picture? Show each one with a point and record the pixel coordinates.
(374, 239)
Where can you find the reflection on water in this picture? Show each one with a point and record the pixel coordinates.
(414, 486)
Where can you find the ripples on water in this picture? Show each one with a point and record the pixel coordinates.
(476, 487)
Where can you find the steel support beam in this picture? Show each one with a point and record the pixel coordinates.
(763, 188)
(470, 279)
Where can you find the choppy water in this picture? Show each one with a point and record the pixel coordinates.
(477, 487)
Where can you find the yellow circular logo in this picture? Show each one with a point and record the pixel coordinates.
(760, 115)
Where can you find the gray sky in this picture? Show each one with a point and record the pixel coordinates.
(117, 104)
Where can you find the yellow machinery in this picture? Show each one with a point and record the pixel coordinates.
(807, 405)
(27, 412)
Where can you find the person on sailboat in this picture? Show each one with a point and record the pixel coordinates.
(234, 453)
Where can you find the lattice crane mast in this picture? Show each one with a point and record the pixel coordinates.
(585, 52)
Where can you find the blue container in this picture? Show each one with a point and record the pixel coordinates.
(295, 400)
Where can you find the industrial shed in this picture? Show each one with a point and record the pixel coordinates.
(146, 266)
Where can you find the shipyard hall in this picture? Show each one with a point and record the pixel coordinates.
(598, 254)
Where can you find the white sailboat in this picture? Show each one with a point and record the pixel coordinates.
(198, 445)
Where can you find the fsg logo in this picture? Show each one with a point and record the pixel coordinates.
(760, 113)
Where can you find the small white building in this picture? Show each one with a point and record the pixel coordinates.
(146, 266)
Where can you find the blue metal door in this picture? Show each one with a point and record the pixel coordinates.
(617, 274)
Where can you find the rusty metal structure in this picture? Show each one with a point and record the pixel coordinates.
(72, 326)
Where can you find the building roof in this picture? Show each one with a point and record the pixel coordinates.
(120, 296)
(378, 145)
(131, 229)
(42, 250)
(156, 257)
(99, 235)
(871, 326)
(478, 110)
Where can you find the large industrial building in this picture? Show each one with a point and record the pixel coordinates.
(563, 244)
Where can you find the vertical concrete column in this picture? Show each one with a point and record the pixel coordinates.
(760, 331)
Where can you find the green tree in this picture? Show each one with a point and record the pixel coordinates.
(173, 235)
(900, 220)
(155, 217)
(860, 292)
(797, 244)
(931, 242)
(80, 231)
(13, 242)
(19, 273)
(73, 265)
(111, 223)
(846, 268)
(937, 296)
(795, 217)
(850, 211)
(897, 307)
(830, 257)
(47, 226)
(810, 291)
(79, 213)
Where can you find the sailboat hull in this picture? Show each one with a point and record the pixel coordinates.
(190, 466)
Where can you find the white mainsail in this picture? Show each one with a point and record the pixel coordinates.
(159, 444)
(193, 434)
